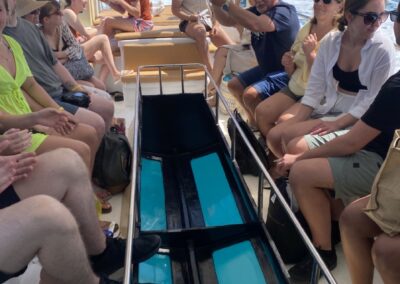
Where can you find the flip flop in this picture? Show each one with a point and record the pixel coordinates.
(117, 95)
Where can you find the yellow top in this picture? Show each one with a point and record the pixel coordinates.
(12, 100)
(298, 80)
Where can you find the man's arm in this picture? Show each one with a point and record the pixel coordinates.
(245, 18)
(177, 11)
(38, 94)
(68, 81)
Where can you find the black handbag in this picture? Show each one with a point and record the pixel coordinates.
(112, 166)
(79, 99)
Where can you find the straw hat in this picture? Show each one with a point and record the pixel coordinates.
(24, 7)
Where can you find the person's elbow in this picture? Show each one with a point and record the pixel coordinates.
(260, 26)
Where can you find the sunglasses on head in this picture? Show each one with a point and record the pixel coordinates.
(394, 16)
(371, 18)
(327, 2)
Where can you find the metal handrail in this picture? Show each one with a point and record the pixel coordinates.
(136, 143)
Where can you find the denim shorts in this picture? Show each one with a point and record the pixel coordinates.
(265, 84)
(7, 198)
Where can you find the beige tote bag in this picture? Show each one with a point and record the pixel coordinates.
(384, 204)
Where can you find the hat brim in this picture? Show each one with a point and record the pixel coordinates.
(27, 9)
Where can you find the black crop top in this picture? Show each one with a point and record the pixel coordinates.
(348, 81)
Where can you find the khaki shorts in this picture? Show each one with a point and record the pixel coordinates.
(315, 141)
(354, 175)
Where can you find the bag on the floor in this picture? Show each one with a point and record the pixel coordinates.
(286, 238)
(112, 166)
(384, 203)
(245, 160)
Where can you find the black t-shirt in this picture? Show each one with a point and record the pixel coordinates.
(384, 115)
(270, 46)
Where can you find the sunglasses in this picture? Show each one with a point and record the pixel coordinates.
(35, 12)
(394, 16)
(371, 18)
(326, 2)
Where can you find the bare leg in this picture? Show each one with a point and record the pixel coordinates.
(93, 119)
(251, 98)
(111, 24)
(220, 37)
(269, 110)
(198, 32)
(56, 142)
(103, 107)
(101, 43)
(236, 88)
(53, 237)
(62, 175)
(386, 255)
(357, 232)
(279, 136)
(219, 65)
(314, 202)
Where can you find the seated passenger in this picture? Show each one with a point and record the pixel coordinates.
(138, 20)
(64, 45)
(51, 74)
(342, 84)
(31, 188)
(366, 246)
(197, 21)
(334, 174)
(274, 25)
(96, 46)
(297, 63)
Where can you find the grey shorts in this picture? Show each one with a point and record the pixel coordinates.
(290, 94)
(354, 175)
(315, 141)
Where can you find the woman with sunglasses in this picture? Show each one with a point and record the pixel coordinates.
(297, 63)
(333, 173)
(351, 66)
(64, 45)
(96, 46)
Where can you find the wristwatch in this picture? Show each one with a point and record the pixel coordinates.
(225, 6)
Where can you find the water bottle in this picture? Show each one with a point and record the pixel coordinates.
(243, 3)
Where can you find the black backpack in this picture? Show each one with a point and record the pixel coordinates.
(245, 160)
(112, 166)
(286, 238)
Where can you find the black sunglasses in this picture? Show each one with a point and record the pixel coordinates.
(327, 2)
(394, 16)
(371, 18)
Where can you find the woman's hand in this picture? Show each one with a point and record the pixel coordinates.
(288, 62)
(14, 168)
(58, 119)
(309, 44)
(285, 163)
(19, 141)
(325, 127)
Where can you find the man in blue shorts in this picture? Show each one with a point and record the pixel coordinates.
(274, 25)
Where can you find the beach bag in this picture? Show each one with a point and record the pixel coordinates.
(245, 160)
(384, 203)
(112, 166)
(240, 58)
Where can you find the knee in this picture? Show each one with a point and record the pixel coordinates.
(71, 169)
(298, 176)
(346, 220)
(60, 221)
(274, 136)
(235, 87)
(250, 95)
(383, 254)
(200, 34)
(103, 39)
